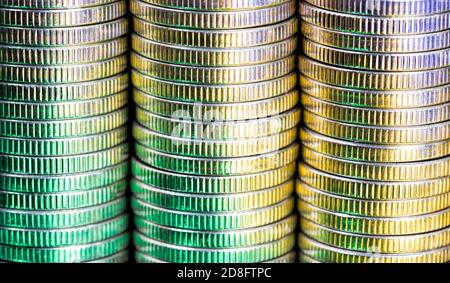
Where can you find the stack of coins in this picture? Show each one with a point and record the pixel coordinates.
(63, 151)
(215, 130)
(374, 182)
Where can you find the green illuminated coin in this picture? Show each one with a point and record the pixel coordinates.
(51, 93)
(213, 148)
(201, 129)
(63, 164)
(211, 203)
(173, 253)
(69, 254)
(63, 128)
(220, 166)
(207, 185)
(144, 258)
(66, 146)
(25, 183)
(218, 239)
(120, 257)
(213, 221)
(48, 238)
(63, 218)
(62, 201)
(63, 110)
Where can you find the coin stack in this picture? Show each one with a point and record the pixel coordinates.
(374, 181)
(63, 151)
(215, 93)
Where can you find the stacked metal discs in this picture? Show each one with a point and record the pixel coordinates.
(215, 127)
(63, 151)
(376, 168)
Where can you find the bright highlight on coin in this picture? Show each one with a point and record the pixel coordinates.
(373, 185)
